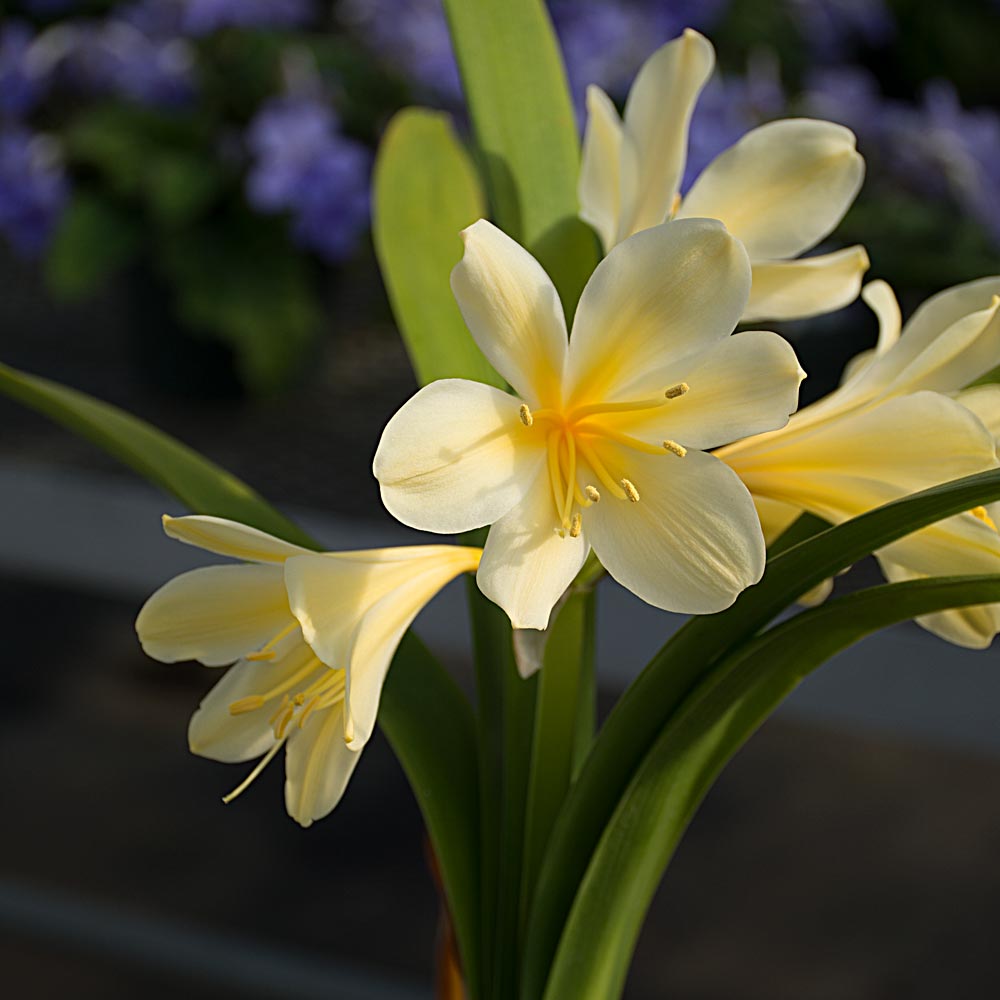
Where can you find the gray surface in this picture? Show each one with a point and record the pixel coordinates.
(103, 533)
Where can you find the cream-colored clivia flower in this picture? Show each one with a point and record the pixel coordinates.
(901, 421)
(602, 444)
(780, 190)
(311, 635)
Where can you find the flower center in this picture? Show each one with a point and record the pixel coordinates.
(572, 440)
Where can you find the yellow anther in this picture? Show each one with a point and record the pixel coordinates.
(676, 390)
(678, 449)
(675, 204)
(525, 413)
(267, 652)
(630, 491)
(244, 705)
(576, 526)
(263, 654)
(593, 494)
(981, 513)
(299, 699)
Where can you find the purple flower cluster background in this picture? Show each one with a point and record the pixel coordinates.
(298, 160)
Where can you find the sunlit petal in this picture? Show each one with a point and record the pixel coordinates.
(782, 188)
(657, 115)
(599, 188)
(229, 538)
(512, 310)
(456, 456)
(526, 564)
(216, 614)
(794, 289)
(659, 298)
(691, 543)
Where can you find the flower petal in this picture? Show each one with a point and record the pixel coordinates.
(657, 115)
(972, 627)
(795, 289)
(455, 457)
(526, 565)
(599, 187)
(215, 615)
(843, 467)
(355, 607)
(984, 401)
(318, 766)
(512, 310)
(229, 538)
(218, 734)
(775, 517)
(691, 544)
(942, 310)
(747, 384)
(782, 188)
(657, 299)
(880, 298)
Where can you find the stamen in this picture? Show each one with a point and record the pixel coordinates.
(591, 409)
(983, 515)
(576, 526)
(278, 711)
(555, 477)
(267, 652)
(254, 774)
(244, 705)
(630, 491)
(592, 494)
(599, 470)
(526, 418)
(625, 439)
(677, 390)
(675, 204)
(678, 449)
(570, 478)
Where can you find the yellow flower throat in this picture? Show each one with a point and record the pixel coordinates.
(571, 440)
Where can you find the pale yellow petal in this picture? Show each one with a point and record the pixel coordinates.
(215, 615)
(841, 468)
(217, 733)
(512, 310)
(940, 311)
(599, 188)
(456, 456)
(880, 298)
(782, 188)
(815, 596)
(657, 116)
(972, 627)
(984, 401)
(229, 538)
(747, 384)
(691, 544)
(318, 766)
(775, 517)
(526, 564)
(355, 607)
(660, 298)
(794, 289)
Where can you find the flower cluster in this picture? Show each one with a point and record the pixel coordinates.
(303, 164)
(649, 436)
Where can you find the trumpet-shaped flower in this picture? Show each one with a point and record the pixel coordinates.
(601, 445)
(311, 635)
(900, 422)
(780, 190)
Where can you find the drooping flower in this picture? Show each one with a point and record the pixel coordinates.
(780, 190)
(311, 636)
(602, 444)
(903, 420)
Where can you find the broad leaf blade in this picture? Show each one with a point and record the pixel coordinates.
(712, 724)
(648, 704)
(525, 128)
(425, 193)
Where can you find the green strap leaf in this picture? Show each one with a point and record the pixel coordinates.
(426, 717)
(525, 127)
(708, 729)
(648, 704)
(196, 482)
(425, 193)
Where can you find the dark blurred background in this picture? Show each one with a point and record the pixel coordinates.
(184, 199)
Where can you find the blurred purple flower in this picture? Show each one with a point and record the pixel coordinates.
(304, 165)
(21, 83)
(728, 107)
(829, 27)
(201, 17)
(33, 189)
